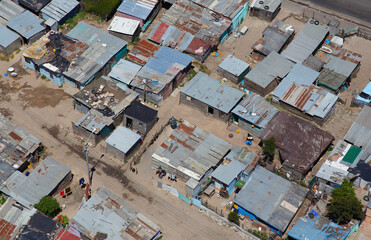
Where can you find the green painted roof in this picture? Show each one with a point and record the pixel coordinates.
(352, 154)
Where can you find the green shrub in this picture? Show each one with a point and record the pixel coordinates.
(233, 217)
(62, 220)
(49, 206)
(102, 8)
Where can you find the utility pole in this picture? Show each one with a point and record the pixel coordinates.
(86, 150)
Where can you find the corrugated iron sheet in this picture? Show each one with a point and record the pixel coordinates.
(331, 79)
(212, 92)
(142, 52)
(7, 37)
(58, 9)
(234, 65)
(306, 42)
(138, 8)
(340, 66)
(271, 4)
(227, 8)
(33, 5)
(347, 55)
(8, 11)
(26, 24)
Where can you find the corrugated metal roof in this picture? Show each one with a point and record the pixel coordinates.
(102, 48)
(8, 11)
(359, 133)
(199, 21)
(13, 218)
(41, 182)
(6, 171)
(255, 110)
(227, 8)
(161, 69)
(26, 24)
(300, 143)
(234, 163)
(123, 25)
(271, 198)
(124, 71)
(306, 42)
(212, 92)
(111, 101)
(33, 5)
(94, 121)
(234, 65)
(311, 100)
(105, 213)
(137, 8)
(142, 52)
(58, 9)
(271, 67)
(183, 41)
(331, 79)
(317, 228)
(274, 38)
(347, 55)
(191, 150)
(314, 63)
(340, 66)
(7, 37)
(271, 4)
(300, 75)
(123, 139)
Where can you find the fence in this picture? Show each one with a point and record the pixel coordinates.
(172, 190)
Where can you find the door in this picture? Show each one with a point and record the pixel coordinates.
(129, 122)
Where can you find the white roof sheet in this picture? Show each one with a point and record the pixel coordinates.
(123, 25)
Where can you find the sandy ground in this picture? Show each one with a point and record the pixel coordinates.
(47, 112)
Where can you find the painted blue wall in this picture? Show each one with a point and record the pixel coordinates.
(30, 65)
(69, 82)
(240, 16)
(119, 56)
(55, 78)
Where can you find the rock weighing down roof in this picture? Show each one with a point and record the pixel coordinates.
(359, 133)
(255, 110)
(271, 67)
(271, 198)
(26, 24)
(300, 143)
(105, 214)
(191, 150)
(41, 182)
(306, 42)
(212, 92)
(123, 139)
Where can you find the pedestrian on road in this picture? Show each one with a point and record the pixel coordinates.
(136, 171)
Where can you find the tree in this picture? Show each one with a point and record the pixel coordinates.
(344, 205)
(49, 206)
(269, 146)
(233, 217)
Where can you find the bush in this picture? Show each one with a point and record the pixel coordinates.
(269, 146)
(344, 205)
(191, 74)
(62, 220)
(233, 217)
(102, 8)
(49, 206)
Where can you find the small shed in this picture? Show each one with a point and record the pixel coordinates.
(233, 69)
(265, 76)
(9, 41)
(60, 10)
(28, 26)
(265, 9)
(140, 118)
(122, 142)
(124, 28)
(210, 96)
(192, 187)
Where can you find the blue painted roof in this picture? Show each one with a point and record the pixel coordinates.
(234, 65)
(136, 9)
(26, 24)
(58, 9)
(317, 228)
(7, 37)
(299, 74)
(123, 139)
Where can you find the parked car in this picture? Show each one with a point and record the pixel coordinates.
(365, 96)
